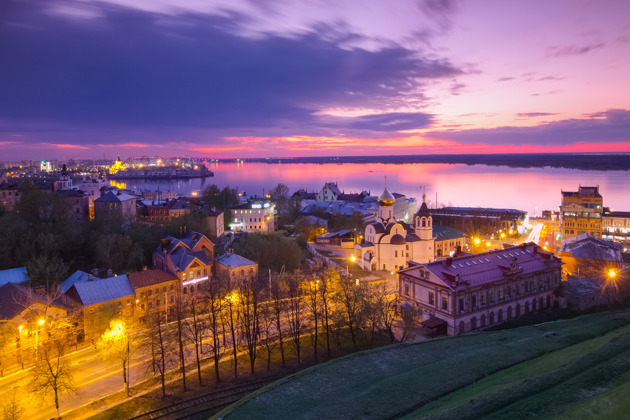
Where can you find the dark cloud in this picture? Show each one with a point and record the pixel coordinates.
(505, 79)
(456, 88)
(132, 69)
(572, 49)
(535, 114)
(395, 121)
(609, 126)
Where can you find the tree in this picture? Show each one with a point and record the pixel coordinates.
(180, 317)
(273, 251)
(351, 299)
(51, 373)
(313, 300)
(279, 194)
(233, 316)
(215, 293)
(249, 315)
(160, 343)
(115, 344)
(194, 328)
(410, 317)
(326, 283)
(294, 297)
(279, 307)
(224, 199)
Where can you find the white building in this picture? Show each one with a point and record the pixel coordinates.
(388, 243)
(91, 185)
(255, 217)
(475, 291)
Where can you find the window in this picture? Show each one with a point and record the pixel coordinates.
(461, 305)
(407, 289)
(164, 289)
(172, 299)
(119, 304)
(431, 298)
(191, 275)
(483, 298)
(172, 286)
(183, 276)
(395, 254)
(474, 301)
(444, 302)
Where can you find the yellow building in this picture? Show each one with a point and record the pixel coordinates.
(581, 212)
(118, 165)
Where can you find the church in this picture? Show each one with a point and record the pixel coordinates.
(389, 243)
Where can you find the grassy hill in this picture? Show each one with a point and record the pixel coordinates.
(578, 368)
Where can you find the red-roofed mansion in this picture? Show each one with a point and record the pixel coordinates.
(475, 291)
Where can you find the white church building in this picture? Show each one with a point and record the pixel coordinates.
(389, 243)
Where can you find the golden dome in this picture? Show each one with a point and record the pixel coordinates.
(386, 199)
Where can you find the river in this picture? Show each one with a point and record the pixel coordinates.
(529, 189)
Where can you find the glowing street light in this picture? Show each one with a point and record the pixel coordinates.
(611, 274)
(39, 322)
(477, 241)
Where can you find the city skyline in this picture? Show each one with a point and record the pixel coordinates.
(243, 79)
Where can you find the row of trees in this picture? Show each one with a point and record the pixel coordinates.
(263, 317)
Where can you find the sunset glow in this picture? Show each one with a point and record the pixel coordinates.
(234, 79)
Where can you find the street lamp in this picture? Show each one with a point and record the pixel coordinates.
(611, 274)
(352, 260)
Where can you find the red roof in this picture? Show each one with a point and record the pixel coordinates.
(149, 278)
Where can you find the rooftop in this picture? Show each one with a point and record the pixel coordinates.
(147, 278)
(474, 270)
(103, 290)
(233, 260)
(13, 275)
(111, 197)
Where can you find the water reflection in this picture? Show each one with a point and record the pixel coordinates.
(533, 189)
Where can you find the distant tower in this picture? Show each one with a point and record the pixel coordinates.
(64, 182)
(423, 221)
(386, 204)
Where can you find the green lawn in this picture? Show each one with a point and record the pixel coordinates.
(503, 374)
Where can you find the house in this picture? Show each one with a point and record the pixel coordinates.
(115, 206)
(475, 291)
(155, 290)
(587, 255)
(97, 301)
(479, 221)
(234, 267)
(447, 240)
(77, 204)
(580, 294)
(215, 222)
(581, 211)
(190, 259)
(25, 316)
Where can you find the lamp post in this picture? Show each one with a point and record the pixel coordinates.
(352, 260)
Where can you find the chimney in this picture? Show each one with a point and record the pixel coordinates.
(449, 261)
(195, 235)
(458, 249)
(109, 273)
(95, 272)
(90, 277)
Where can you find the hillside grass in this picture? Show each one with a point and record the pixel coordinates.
(541, 370)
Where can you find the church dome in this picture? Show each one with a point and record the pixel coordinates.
(386, 198)
(397, 240)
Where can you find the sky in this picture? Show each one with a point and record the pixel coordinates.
(260, 78)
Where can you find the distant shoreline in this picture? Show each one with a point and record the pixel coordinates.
(588, 162)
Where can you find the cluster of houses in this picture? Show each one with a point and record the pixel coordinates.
(180, 267)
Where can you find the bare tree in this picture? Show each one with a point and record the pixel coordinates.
(180, 317)
(249, 315)
(267, 324)
(295, 311)
(12, 409)
(115, 344)
(351, 300)
(326, 281)
(233, 317)
(161, 346)
(410, 318)
(311, 293)
(51, 373)
(279, 307)
(215, 292)
(194, 328)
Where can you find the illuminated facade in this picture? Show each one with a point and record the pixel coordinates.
(254, 217)
(616, 226)
(476, 291)
(234, 267)
(117, 166)
(581, 212)
(388, 244)
(190, 259)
